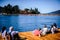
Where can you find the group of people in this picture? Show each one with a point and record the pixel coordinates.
(39, 32)
(11, 33)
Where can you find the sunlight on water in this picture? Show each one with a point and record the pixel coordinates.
(28, 23)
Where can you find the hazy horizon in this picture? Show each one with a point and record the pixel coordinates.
(44, 6)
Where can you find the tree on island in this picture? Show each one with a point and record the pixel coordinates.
(1, 9)
(34, 11)
(9, 9)
(26, 10)
(15, 9)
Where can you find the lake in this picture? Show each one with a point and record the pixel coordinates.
(24, 23)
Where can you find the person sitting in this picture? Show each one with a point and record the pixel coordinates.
(37, 32)
(13, 34)
(44, 30)
(4, 33)
(53, 29)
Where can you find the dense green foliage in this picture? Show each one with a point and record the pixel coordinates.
(9, 9)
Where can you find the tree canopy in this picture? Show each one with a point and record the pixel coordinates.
(9, 9)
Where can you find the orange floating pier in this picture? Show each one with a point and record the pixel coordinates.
(30, 36)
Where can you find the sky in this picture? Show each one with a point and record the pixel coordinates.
(44, 6)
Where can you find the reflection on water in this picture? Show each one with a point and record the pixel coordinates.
(28, 23)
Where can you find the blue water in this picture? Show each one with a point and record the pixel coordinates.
(27, 23)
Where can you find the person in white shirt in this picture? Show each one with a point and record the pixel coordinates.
(53, 29)
(11, 30)
(44, 30)
(4, 33)
(13, 34)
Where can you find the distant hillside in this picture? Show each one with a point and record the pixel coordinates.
(55, 12)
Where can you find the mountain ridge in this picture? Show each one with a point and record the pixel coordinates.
(55, 12)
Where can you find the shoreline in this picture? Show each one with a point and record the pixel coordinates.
(32, 14)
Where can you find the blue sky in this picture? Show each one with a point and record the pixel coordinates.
(44, 6)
